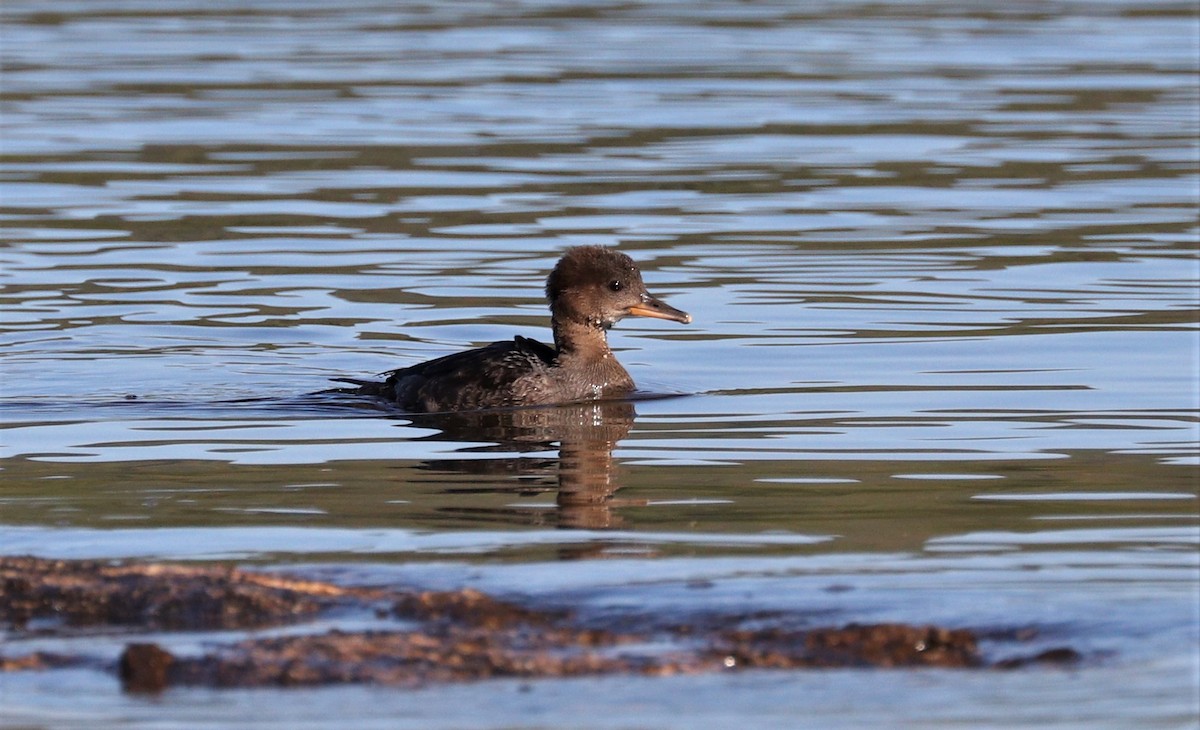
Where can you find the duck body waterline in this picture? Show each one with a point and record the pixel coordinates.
(589, 290)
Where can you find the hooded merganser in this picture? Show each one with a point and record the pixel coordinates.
(590, 289)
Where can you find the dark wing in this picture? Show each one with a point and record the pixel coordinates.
(545, 353)
(488, 377)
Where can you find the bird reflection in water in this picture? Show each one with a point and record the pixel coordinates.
(583, 475)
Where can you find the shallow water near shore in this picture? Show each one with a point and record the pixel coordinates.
(942, 264)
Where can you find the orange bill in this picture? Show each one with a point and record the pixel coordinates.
(652, 307)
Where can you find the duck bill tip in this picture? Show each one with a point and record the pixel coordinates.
(661, 311)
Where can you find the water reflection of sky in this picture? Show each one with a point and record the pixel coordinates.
(941, 263)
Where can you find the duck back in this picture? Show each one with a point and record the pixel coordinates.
(506, 373)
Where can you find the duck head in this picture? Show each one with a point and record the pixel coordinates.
(598, 286)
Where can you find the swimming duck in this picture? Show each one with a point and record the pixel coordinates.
(590, 289)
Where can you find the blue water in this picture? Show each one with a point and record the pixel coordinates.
(941, 260)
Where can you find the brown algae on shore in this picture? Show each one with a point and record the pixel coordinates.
(455, 636)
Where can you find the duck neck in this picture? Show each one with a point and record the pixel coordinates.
(585, 341)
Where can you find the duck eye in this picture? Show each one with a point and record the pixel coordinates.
(615, 285)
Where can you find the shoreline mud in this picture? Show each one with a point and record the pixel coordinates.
(423, 637)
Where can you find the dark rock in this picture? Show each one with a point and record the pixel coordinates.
(1060, 656)
(144, 668)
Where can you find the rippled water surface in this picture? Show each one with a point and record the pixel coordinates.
(942, 264)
